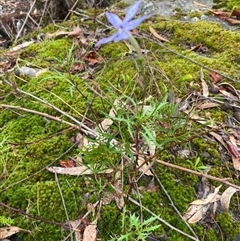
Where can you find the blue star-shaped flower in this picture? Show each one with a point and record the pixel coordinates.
(123, 27)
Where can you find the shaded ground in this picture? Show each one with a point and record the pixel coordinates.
(193, 81)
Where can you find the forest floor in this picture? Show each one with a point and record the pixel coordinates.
(99, 143)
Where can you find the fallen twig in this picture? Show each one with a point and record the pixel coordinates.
(25, 21)
(222, 180)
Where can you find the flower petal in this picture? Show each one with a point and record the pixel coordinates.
(134, 23)
(106, 40)
(131, 12)
(114, 20)
(122, 36)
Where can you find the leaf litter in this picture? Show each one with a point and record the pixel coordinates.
(199, 207)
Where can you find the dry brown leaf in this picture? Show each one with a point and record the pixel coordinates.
(15, 50)
(218, 138)
(195, 213)
(118, 196)
(226, 16)
(227, 94)
(226, 197)
(90, 232)
(208, 105)
(235, 13)
(232, 21)
(68, 163)
(58, 33)
(232, 149)
(75, 171)
(91, 208)
(145, 168)
(236, 163)
(216, 77)
(92, 58)
(230, 88)
(6, 232)
(204, 85)
(212, 197)
(106, 123)
(232, 146)
(155, 34)
(198, 208)
(75, 224)
(81, 140)
(75, 32)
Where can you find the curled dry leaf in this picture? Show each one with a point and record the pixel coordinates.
(16, 49)
(76, 171)
(226, 16)
(58, 34)
(198, 208)
(145, 168)
(92, 58)
(68, 163)
(226, 197)
(77, 31)
(204, 85)
(6, 232)
(76, 226)
(90, 232)
(216, 77)
(155, 34)
(230, 88)
(212, 197)
(231, 149)
(208, 105)
(195, 213)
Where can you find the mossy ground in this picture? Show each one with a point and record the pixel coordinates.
(33, 142)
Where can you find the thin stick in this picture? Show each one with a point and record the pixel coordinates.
(63, 202)
(84, 128)
(222, 180)
(50, 117)
(173, 205)
(70, 11)
(60, 111)
(25, 21)
(79, 220)
(43, 12)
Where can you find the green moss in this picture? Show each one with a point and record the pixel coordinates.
(229, 227)
(40, 54)
(233, 4)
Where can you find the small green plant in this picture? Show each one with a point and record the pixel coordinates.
(4, 221)
(197, 165)
(139, 122)
(135, 229)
